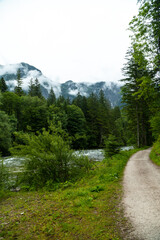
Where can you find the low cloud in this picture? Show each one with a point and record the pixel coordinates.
(9, 69)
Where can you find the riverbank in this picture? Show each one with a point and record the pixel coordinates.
(87, 209)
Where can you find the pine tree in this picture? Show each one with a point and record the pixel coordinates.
(51, 97)
(18, 89)
(31, 88)
(3, 86)
(136, 107)
(37, 89)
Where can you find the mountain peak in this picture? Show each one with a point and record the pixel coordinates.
(68, 89)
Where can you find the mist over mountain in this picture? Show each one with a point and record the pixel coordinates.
(68, 89)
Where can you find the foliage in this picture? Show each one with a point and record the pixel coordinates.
(111, 146)
(3, 176)
(18, 89)
(10, 103)
(5, 133)
(48, 158)
(34, 114)
(134, 96)
(51, 97)
(87, 209)
(155, 152)
(76, 126)
(87, 120)
(3, 86)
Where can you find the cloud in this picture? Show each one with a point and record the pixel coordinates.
(9, 68)
(29, 74)
(73, 92)
(67, 39)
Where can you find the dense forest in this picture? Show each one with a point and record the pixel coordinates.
(87, 121)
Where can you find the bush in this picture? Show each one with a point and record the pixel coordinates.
(48, 158)
(3, 176)
(111, 146)
(5, 133)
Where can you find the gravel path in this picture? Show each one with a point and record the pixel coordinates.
(142, 197)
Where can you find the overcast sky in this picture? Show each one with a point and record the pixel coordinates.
(79, 40)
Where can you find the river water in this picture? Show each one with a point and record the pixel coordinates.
(16, 163)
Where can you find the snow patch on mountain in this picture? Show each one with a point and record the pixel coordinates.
(69, 89)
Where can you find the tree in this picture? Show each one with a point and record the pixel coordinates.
(92, 123)
(145, 30)
(76, 126)
(5, 133)
(104, 118)
(58, 115)
(34, 114)
(136, 106)
(111, 146)
(31, 88)
(18, 89)
(37, 89)
(3, 86)
(51, 97)
(10, 103)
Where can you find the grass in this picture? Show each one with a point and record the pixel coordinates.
(87, 209)
(155, 153)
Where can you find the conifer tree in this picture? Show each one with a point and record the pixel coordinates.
(37, 89)
(18, 89)
(31, 88)
(51, 97)
(136, 107)
(3, 85)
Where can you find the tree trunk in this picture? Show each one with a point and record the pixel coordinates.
(138, 127)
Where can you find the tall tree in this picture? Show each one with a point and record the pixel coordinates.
(3, 85)
(146, 34)
(5, 133)
(76, 126)
(31, 88)
(51, 97)
(136, 106)
(104, 117)
(18, 89)
(37, 89)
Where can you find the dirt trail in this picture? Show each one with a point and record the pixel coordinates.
(142, 197)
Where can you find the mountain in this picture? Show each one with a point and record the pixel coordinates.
(28, 72)
(111, 90)
(68, 89)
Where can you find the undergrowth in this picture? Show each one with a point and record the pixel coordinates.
(155, 152)
(86, 209)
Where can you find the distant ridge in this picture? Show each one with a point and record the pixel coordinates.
(68, 89)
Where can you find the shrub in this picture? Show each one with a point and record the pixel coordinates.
(3, 176)
(111, 146)
(48, 158)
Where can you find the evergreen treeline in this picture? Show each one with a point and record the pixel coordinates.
(88, 121)
(141, 91)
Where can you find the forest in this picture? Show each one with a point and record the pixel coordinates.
(58, 194)
(90, 122)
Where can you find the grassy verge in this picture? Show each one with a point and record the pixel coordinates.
(87, 209)
(155, 153)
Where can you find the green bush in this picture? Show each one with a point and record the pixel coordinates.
(3, 176)
(111, 146)
(48, 158)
